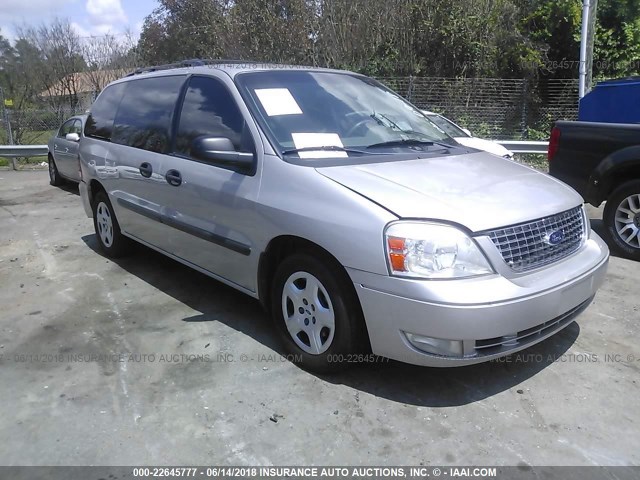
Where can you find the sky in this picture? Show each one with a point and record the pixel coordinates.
(88, 17)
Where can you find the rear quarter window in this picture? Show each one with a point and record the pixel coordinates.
(103, 111)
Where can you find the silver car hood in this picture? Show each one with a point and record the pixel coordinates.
(480, 191)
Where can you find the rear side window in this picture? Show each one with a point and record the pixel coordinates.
(103, 111)
(145, 113)
(209, 109)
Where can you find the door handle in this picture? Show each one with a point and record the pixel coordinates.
(173, 177)
(146, 170)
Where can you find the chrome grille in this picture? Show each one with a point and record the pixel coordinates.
(531, 245)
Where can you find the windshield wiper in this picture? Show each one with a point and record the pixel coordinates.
(325, 148)
(408, 142)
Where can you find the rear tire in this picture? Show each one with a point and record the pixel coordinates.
(622, 220)
(316, 314)
(110, 238)
(54, 176)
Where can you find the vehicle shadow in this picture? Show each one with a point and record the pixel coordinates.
(387, 379)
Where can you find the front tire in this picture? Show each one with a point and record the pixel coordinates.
(54, 176)
(622, 220)
(316, 313)
(110, 238)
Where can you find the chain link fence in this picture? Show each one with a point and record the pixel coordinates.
(491, 108)
(502, 109)
(33, 126)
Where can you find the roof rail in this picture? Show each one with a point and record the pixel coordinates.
(194, 62)
(185, 63)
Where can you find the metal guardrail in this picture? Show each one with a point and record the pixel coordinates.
(13, 151)
(522, 146)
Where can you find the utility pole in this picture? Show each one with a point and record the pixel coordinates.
(589, 9)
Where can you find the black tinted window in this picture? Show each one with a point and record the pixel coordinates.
(103, 111)
(144, 116)
(209, 109)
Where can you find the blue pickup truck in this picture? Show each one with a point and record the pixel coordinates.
(599, 157)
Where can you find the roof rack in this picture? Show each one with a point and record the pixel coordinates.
(194, 62)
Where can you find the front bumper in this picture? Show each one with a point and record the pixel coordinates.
(489, 316)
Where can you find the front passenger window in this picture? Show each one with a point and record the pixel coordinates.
(210, 110)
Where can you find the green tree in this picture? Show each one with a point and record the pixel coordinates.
(617, 42)
(554, 28)
(183, 29)
(271, 30)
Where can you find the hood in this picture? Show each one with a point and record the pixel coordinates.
(479, 191)
(485, 145)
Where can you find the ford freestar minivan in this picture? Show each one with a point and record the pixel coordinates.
(359, 224)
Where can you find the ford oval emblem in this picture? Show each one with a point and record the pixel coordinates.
(554, 238)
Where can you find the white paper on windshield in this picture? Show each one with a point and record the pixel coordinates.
(306, 140)
(278, 101)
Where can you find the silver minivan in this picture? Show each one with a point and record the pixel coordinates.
(362, 227)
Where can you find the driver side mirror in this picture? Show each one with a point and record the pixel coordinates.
(467, 131)
(72, 137)
(221, 151)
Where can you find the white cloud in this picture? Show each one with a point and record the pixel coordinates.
(105, 13)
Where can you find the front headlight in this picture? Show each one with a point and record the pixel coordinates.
(432, 250)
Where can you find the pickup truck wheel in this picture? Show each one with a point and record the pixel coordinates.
(315, 314)
(622, 219)
(54, 177)
(110, 239)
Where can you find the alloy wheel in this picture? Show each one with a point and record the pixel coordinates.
(627, 220)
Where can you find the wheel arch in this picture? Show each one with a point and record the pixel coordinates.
(283, 246)
(93, 187)
(616, 169)
(613, 236)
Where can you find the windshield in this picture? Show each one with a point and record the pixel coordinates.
(447, 125)
(348, 113)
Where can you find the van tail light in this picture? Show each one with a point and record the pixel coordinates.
(554, 143)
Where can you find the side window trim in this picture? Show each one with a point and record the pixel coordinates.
(177, 113)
